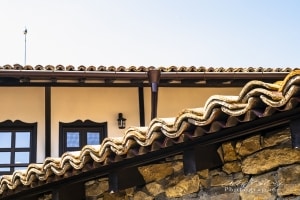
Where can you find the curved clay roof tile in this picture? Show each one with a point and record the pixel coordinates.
(175, 69)
(121, 69)
(132, 69)
(49, 67)
(163, 69)
(70, 68)
(221, 69)
(172, 68)
(18, 67)
(230, 69)
(9, 67)
(151, 68)
(28, 67)
(260, 69)
(39, 67)
(250, 69)
(288, 69)
(101, 68)
(210, 69)
(81, 68)
(91, 68)
(142, 69)
(60, 68)
(202, 69)
(111, 68)
(268, 69)
(238, 69)
(192, 69)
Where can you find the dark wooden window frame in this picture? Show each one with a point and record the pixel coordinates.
(15, 126)
(84, 126)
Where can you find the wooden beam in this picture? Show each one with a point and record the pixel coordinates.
(201, 157)
(295, 133)
(47, 121)
(125, 178)
(69, 192)
(141, 105)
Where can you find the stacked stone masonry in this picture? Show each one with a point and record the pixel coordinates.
(259, 167)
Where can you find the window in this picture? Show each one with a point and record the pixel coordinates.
(73, 136)
(17, 145)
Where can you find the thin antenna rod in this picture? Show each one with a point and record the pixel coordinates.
(25, 33)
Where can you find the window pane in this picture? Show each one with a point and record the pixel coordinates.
(4, 169)
(93, 138)
(5, 157)
(20, 168)
(72, 139)
(21, 157)
(5, 139)
(22, 139)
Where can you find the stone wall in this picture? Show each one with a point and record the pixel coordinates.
(262, 166)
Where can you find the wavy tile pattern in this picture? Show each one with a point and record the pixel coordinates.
(141, 68)
(257, 99)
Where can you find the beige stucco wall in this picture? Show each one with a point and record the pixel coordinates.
(25, 104)
(96, 104)
(172, 100)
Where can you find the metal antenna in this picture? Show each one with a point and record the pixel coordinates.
(25, 33)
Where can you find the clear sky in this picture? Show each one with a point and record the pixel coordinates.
(209, 33)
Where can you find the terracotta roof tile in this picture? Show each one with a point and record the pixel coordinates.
(70, 68)
(60, 68)
(50, 68)
(256, 100)
(143, 68)
(38, 67)
(134, 75)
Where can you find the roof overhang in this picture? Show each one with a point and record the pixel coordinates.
(133, 77)
(163, 150)
(259, 107)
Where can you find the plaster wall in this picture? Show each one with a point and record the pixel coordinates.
(25, 104)
(97, 104)
(172, 100)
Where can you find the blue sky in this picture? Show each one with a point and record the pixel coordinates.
(211, 33)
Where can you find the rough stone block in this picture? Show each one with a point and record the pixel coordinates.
(188, 185)
(249, 146)
(289, 180)
(154, 188)
(221, 180)
(272, 139)
(268, 159)
(260, 187)
(232, 167)
(156, 172)
(96, 188)
(142, 195)
(229, 153)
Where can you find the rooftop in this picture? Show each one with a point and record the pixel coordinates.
(260, 105)
(133, 76)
